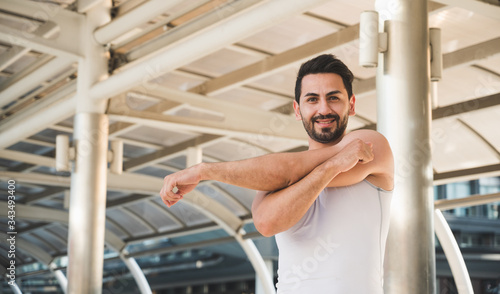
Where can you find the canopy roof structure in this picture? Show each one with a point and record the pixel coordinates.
(209, 76)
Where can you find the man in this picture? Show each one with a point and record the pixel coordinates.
(328, 206)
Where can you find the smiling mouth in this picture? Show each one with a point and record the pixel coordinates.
(325, 122)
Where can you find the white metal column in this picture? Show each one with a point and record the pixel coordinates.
(87, 211)
(404, 117)
(259, 285)
(136, 271)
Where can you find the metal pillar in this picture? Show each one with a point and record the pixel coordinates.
(404, 117)
(88, 181)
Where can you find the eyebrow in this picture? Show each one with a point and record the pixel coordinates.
(328, 94)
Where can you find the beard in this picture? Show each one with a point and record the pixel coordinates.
(326, 135)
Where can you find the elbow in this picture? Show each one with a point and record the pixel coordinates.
(263, 226)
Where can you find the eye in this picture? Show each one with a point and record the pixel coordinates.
(312, 99)
(334, 98)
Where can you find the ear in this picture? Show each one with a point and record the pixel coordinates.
(352, 103)
(296, 108)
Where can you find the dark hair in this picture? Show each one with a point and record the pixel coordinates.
(326, 63)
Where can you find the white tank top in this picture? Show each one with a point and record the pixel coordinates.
(338, 245)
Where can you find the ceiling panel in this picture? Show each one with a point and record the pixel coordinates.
(157, 136)
(229, 150)
(456, 147)
(253, 98)
(462, 28)
(492, 63)
(344, 11)
(465, 83)
(127, 222)
(221, 62)
(289, 34)
(485, 122)
(154, 215)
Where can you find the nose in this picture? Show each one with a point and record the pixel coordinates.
(324, 108)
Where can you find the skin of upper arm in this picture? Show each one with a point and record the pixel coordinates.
(380, 171)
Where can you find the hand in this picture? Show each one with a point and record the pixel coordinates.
(353, 153)
(178, 184)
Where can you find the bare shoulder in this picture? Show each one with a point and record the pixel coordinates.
(382, 174)
(367, 135)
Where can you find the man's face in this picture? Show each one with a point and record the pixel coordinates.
(324, 107)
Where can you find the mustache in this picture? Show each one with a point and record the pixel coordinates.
(328, 116)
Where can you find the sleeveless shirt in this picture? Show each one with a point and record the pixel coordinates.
(338, 245)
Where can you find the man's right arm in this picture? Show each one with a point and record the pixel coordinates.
(269, 172)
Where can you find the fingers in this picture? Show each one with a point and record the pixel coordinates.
(366, 153)
(169, 193)
(169, 203)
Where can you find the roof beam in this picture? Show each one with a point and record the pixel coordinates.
(61, 48)
(466, 106)
(471, 54)
(207, 41)
(236, 119)
(272, 64)
(168, 152)
(467, 174)
(55, 215)
(473, 200)
(68, 24)
(462, 57)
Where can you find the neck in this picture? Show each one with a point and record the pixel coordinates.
(317, 145)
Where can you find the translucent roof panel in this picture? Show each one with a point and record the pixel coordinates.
(456, 147)
(229, 150)
(179, 80)
(54, 240)
(252, 98)
(465, 83)
(281, 82)
(155, 215)
(289, 34)
(224, 198)
(491, 63)
(461, 28)
(244, 196)
(186, 214)
(127, 221)
(343, 11)
(221, 62)
(157, 136)
(485, 122)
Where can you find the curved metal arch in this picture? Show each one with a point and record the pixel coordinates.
(44, 214)
(42, 256)
(215, 211)
(147, 184)
(55, 215)
(453, 254)
(232, 224)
